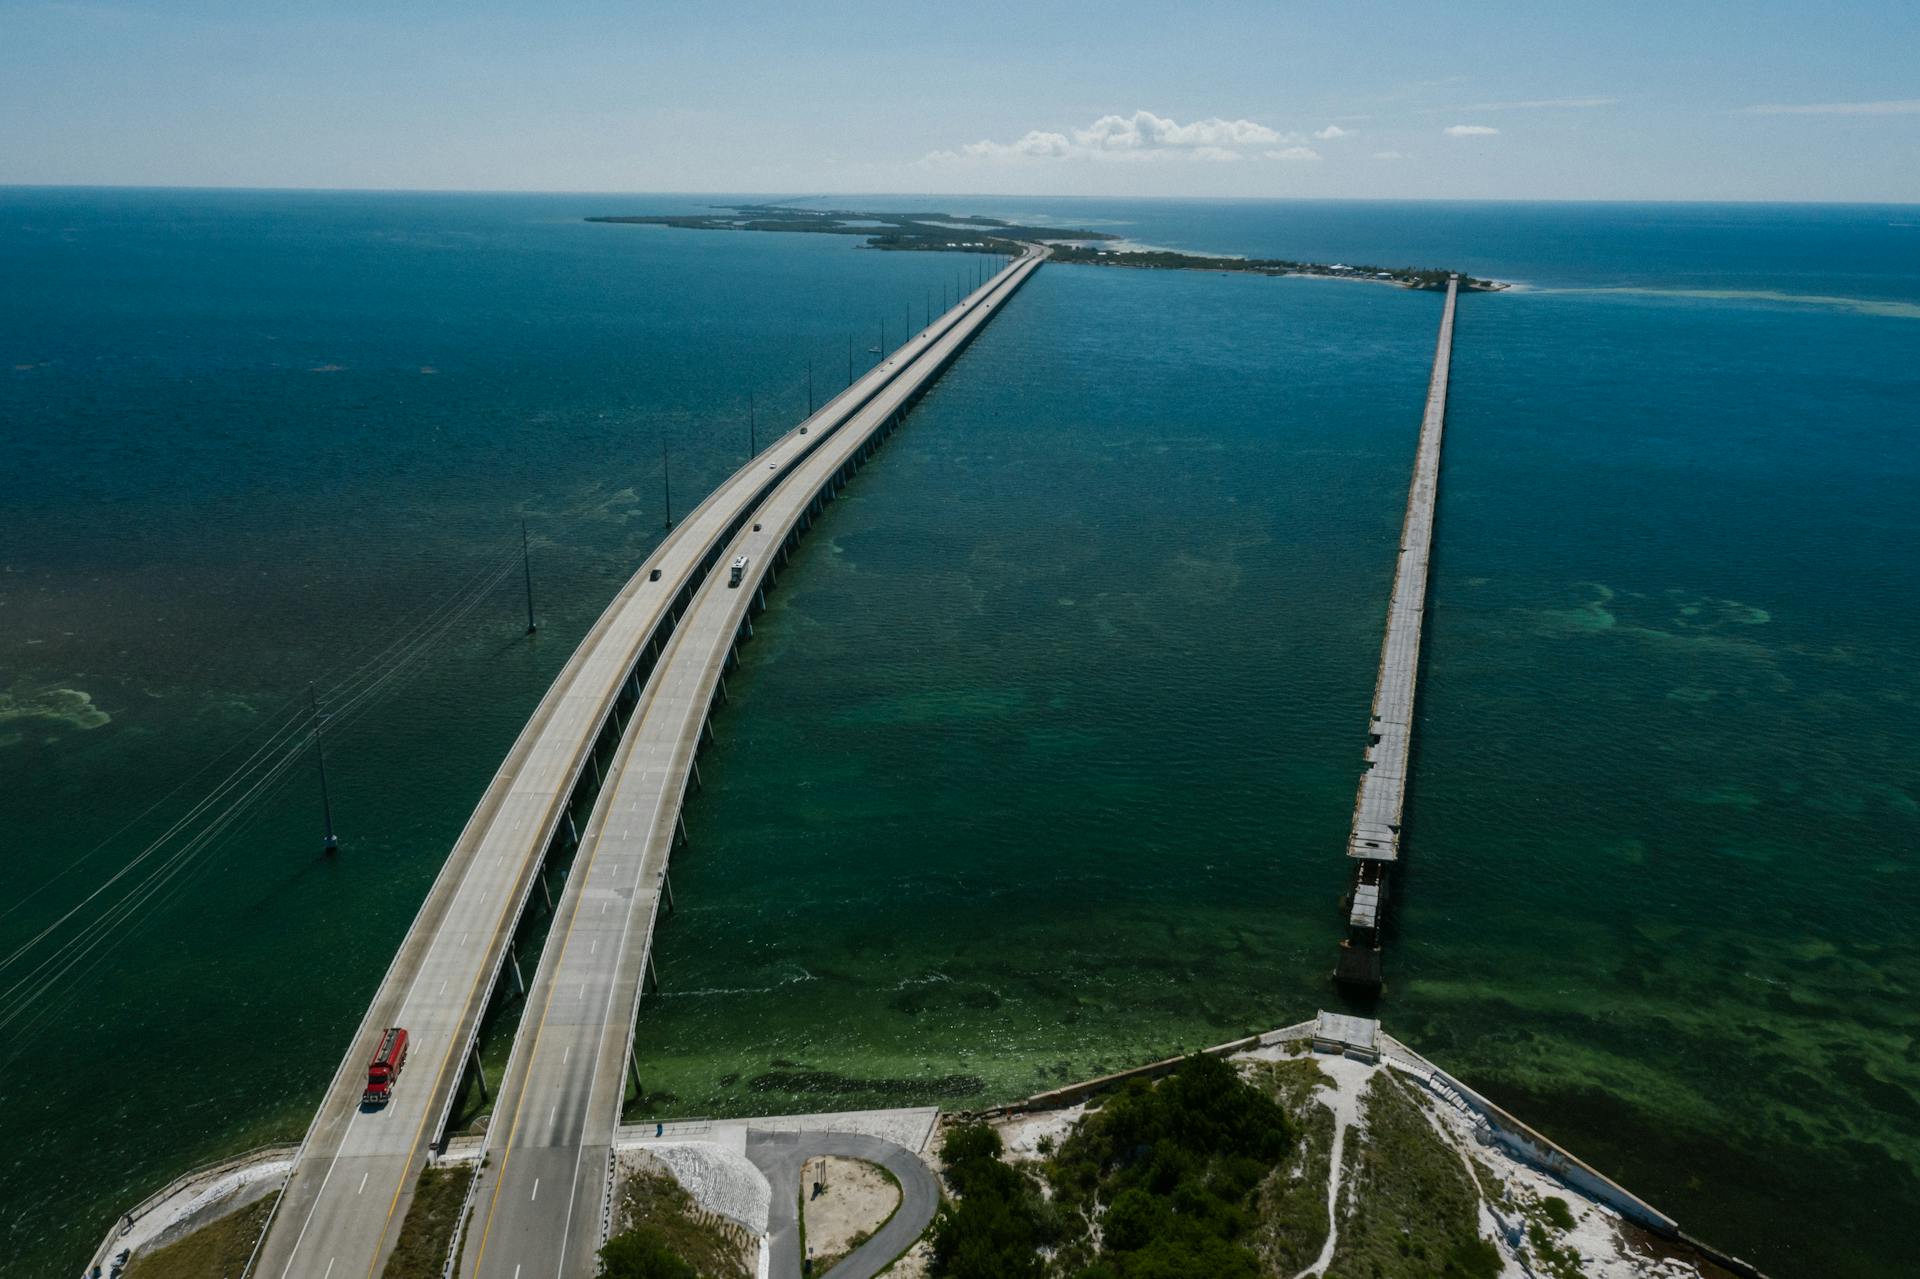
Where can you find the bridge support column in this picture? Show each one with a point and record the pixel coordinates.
(698, 785)
(479, 1071)
(573, 832)
(545, 892)
(760, 601)
(653, 974)
(633, 1071)
(725, 697)
(666, 882)
(680, 829)
(593, 757)
(519, 978)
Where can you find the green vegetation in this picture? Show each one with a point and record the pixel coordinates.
(924, 232)
(427, 1233)
(661, 1234)
(1545, 1219)
(1292, 1206)
(999, 1223)
(643, 1253)
(218, 1250)
(1166, 260)
(951, 233)
(1170, 1174)
(1412, 1211)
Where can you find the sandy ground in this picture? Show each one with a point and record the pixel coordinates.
(1608, 1246)
(1037, 1135)
(855, 1198)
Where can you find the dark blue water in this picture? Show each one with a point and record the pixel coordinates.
(1043, 758)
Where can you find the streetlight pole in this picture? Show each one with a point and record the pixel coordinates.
(666, 482)
(526, 566)
(330, 843)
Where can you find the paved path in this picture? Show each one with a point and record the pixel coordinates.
(356, 1171)
(780, 1155)
(542, 1201)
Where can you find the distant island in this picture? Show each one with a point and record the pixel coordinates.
(951, 233)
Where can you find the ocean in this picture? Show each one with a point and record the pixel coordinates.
(1041, 762)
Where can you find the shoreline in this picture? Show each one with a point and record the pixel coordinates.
(1614, 1230)
(948, 233)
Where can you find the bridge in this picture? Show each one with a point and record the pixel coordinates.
(560, 1100)
(634, 697)
(1374, 844)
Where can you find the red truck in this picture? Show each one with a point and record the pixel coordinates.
(385, 1067)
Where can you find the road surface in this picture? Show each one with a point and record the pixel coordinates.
(356, 1171)
(780, 1155)
(542, 1200)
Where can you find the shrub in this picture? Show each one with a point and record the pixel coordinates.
(998, 1225)
(642, 1253)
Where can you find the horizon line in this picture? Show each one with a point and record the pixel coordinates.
(773, 197)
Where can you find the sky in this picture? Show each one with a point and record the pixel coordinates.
(1615, 100)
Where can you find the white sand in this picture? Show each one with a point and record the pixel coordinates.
(855, 1197)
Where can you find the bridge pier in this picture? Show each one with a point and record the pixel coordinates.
(488, 869)
(479, 1070)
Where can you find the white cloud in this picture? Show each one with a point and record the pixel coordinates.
(1294, 153)
(1895, 106)
(1036, 144)
(1470, 131)
(1144, 129)
(1389, 155)
(1140, 136)
(1331, 132)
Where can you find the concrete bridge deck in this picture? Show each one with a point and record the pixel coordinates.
(1374, 843)
(541, 1203)
(356, 1170)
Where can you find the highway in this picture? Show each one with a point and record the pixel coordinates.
(356, 1170)
(542, 1198)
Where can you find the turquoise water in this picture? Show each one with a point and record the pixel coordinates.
(1042, 759)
